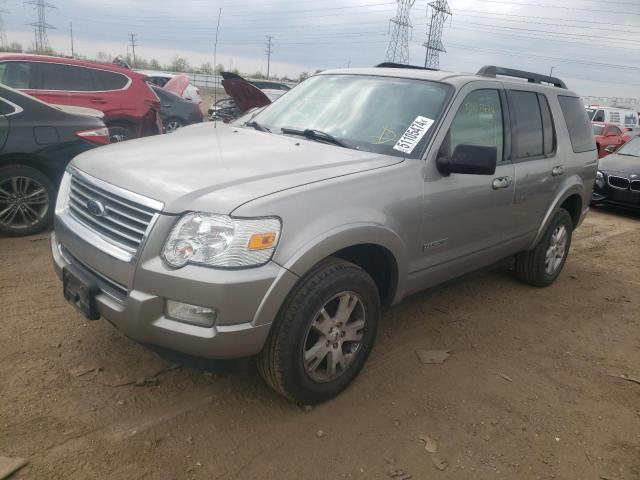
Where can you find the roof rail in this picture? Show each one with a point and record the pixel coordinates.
(400, 65)
(493, 71)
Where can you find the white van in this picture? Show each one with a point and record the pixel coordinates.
(621, 116)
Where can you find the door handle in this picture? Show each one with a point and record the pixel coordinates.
(101, 101)
(501, 182)
(557, 170)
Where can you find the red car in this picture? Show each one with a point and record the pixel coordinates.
(609, 135)
(131, 109)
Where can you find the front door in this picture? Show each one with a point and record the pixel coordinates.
(468, 219)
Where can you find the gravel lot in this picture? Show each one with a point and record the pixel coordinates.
(525, 394)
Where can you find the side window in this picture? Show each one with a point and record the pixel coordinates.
(6, 108)
(17, 74)
(479, 122)
(57, 76)
(548, 128)
(526, 124)
(109, 80)
(580, 130)
(616, 130)
(599, 116)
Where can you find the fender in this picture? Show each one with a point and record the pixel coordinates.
(349, 235)
(572, 185)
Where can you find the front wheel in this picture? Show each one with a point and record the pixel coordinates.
(542, 265)
(323, 334)
(26, 201)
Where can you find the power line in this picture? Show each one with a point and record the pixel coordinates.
(268, 51)
(398, 49)
(561, 7)
(440, 11)
(41, 26)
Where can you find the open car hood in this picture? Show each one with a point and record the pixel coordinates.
(245, 95)
(178, 84)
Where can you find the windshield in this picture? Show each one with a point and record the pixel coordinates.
(590, 112)
(632, 148)
(364, 112)
(598, 129)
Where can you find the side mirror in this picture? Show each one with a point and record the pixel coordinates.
(610, 149)
(470, 159)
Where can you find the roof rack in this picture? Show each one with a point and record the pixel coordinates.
(493, 71)
(400, 65)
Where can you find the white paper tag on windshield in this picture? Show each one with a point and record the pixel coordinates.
(413, 135)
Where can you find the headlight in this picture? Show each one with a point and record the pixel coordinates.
(600, 180)
(221, 241)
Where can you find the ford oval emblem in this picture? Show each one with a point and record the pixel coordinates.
(96, 208)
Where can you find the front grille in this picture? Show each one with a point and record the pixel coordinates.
(123, 221)
(618, 182)
(635, 185)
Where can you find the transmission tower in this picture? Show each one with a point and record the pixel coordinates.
(398, 49)
(268, 50)
(3, 35)
(440, 11)
(41, 26)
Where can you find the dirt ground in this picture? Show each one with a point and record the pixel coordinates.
(525, 394)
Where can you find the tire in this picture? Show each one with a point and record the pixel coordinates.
(533, 267)
(172, 124)
(281, 362)
(27, 199)
(120, 134)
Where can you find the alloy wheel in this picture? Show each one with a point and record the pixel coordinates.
(556, 250)
(172, 126)
(334, 337)
(23, 202)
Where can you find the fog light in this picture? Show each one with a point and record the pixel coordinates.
(193, 314)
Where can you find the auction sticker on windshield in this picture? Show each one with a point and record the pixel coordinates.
(413, 135)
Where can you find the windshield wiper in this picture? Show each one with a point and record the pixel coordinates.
(312, 134)
(257, 126)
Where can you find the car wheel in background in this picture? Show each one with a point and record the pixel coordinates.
(542, 265)
(323, 333)
(120, 134)
(172, 124)
(27, 200)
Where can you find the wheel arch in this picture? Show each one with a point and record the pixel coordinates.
(51, 170)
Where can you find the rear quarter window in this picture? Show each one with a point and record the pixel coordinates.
(109, 80)
(580, 131)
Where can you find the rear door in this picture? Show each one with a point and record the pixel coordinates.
(538, 167)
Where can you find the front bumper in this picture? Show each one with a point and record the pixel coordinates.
(625, 197)
(247, 301)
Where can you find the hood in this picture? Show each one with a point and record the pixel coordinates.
(245, 95)
(216, 168)
(178, 84)
(622, 164)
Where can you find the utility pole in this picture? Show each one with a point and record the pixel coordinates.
(440, 11)
(268, 51)
(133, 44)
(41, 26)
(551, 72)
(73, 53)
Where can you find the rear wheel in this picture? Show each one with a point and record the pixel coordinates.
(542, 265)
(323, 334)
(120, 134)
(26, 201)
(172, 124)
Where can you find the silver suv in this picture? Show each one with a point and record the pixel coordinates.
(284, 235)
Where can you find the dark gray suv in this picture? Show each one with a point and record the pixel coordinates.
(284, 235)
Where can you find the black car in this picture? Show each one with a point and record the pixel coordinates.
(175, 111)
(618, 177)
(37, 140)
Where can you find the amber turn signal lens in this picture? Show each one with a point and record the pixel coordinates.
(260, 241)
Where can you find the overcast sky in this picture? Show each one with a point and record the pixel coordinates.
(593, 45)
